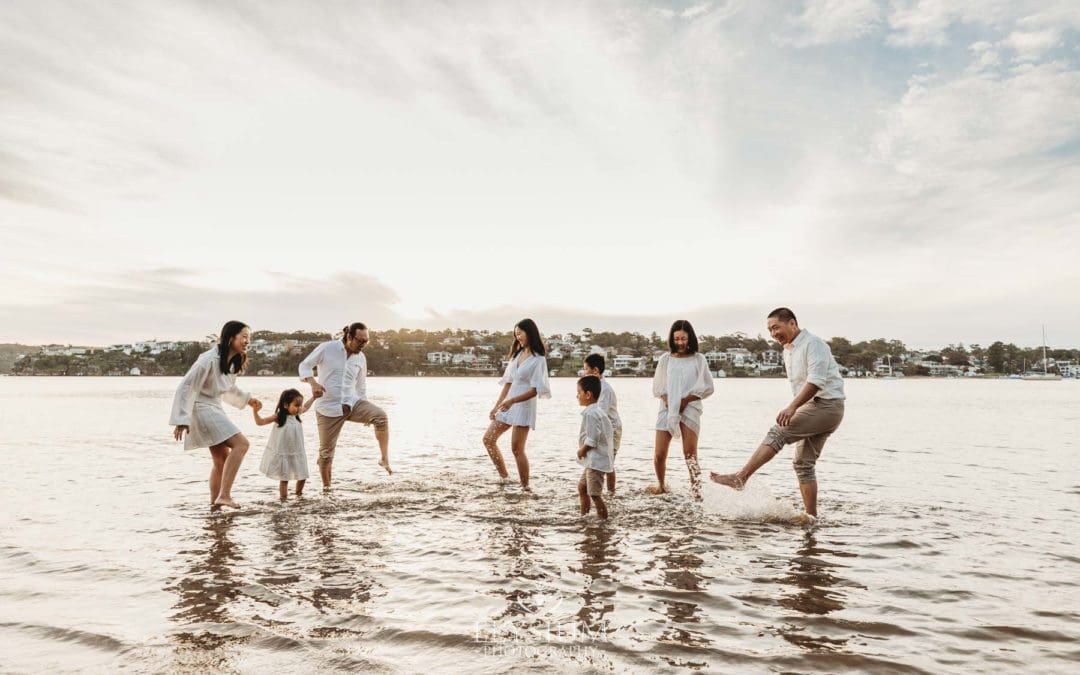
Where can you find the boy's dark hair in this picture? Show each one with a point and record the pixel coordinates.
(595, 361)
(590, 384)
(683, 325)
(784, 314)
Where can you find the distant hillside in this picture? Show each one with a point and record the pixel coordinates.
(10, 352)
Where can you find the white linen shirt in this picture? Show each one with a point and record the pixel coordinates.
(808, 359)
(343, 376)
(609, 403)
(596, 433)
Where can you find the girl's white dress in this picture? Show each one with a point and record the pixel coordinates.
(284, 457)
(197, 403)
(679, 377)
(533, 372)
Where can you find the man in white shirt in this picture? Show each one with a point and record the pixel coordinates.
(342, 380)
(814, 413)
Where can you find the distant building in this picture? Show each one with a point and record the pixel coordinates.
(439, 358)
(135, 371)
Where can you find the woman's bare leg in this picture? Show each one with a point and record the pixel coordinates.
(218, 454)
(663, 442)
(491, 438)
(283, 489)
(517, 446)
(689, 449)
(238, 447)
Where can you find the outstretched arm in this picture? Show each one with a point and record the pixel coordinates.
(262, 421)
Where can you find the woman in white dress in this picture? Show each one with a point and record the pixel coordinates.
(682, 380)
(197, 409)
(525, 380)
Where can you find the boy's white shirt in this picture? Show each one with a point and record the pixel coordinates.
(597, 433)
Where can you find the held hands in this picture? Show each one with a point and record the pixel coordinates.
(317, 389)
(178, 432)
(785, 415)
(256, 404)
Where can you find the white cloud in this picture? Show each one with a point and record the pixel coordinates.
(1030, 45)
(828, 21)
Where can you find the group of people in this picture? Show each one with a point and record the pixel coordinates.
(336, 371)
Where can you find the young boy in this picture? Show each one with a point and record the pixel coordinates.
(594, 451)
(594, 365)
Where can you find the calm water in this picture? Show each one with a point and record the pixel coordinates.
(948, 542)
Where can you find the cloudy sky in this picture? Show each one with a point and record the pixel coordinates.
(905, 168)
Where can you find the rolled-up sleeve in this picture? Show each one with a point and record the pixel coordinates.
(818, 358)
(307, 366)
(594, 431)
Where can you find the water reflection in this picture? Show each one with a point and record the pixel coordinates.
(680, 562)
(598, 555)
(341, 564)
(209, 585)
(815, 583)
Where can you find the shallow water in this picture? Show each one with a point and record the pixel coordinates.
(947, 542)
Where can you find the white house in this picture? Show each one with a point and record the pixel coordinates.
(770, 357)
(135, 371)
(627, 362)
(452, 341)
(715, 358)
(464, 358)
(439, 358)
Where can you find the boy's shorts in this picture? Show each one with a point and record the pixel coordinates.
(593, 481)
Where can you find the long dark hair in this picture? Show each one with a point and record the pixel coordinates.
(532, 334)
(287, 397)
(683, 325)
(239, 362)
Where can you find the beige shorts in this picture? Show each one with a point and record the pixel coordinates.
(810, 427)
(593, 482)
(364, 412)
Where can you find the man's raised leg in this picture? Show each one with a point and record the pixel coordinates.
(737, 480)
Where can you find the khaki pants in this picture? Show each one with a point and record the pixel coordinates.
(810, 426)
(364, 412)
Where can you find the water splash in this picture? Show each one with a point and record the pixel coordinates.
(755, 502)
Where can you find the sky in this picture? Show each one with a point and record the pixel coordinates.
(904, 169)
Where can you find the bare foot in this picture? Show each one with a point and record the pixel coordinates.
(729, 479)
(386, 465)
(215, 507)
(226, 501)
(655, 490)
(804, 518)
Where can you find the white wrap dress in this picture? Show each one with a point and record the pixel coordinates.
(533, 372)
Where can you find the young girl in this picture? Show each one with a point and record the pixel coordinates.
(284, 458)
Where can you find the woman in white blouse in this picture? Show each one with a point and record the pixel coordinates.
(682, 380)
(197, 409)
(525, 380)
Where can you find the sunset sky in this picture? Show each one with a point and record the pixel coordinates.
(902, 169)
